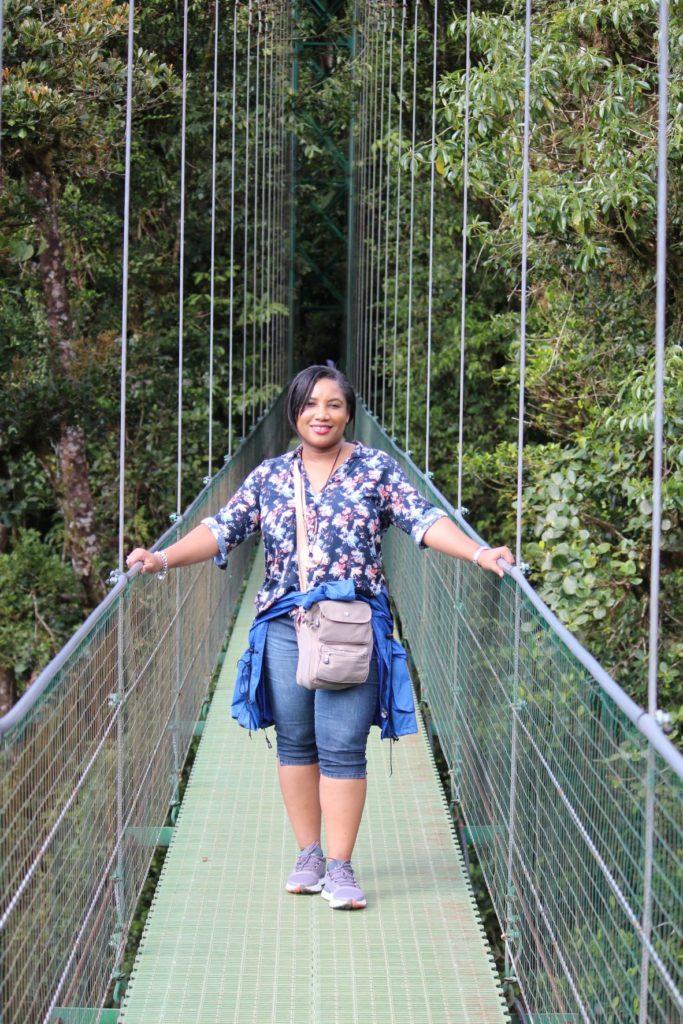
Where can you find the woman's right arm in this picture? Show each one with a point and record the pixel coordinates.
(216, 535)
(196, 546)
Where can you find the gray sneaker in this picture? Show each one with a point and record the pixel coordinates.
(341, 890)
(308, 872)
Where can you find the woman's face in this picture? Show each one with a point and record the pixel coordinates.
(322, 420)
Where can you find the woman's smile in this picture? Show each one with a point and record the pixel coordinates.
(323, 419)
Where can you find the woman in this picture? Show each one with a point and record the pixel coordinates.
(353, 494)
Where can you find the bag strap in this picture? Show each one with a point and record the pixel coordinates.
(300, 504)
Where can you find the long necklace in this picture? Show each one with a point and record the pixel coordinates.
(315, 553)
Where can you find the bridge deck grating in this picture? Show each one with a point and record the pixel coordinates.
(224, 942)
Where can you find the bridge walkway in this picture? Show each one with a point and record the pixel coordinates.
(223, 940)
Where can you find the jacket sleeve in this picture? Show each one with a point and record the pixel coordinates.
(238, 518)
(404, 506)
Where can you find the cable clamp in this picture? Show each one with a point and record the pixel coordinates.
(663, 720)
(175, 517)
(463, 510)
(226, 458)
(113, 700)
(114, 576)
(206, 480)
(524, 568)
(429, 474)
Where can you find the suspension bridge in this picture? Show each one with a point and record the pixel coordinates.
(568, 792)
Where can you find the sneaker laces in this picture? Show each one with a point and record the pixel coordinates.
(342, 874)
(310, 853)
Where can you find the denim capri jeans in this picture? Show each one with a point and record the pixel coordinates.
(325, 727)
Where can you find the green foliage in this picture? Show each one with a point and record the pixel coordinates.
(40, 607)
(591, 303)
(64, 112)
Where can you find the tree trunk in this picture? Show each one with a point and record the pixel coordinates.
(8, 690)
(72, 481)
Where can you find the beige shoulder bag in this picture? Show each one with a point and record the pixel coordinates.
(335, 637)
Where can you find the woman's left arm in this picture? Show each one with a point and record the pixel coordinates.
(445, 536)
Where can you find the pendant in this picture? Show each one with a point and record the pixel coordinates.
(315, 555)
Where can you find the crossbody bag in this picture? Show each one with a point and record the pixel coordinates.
(334, 637)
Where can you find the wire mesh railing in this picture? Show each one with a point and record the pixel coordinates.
(551, 763)
(90, 762)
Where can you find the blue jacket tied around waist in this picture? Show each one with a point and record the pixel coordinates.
(395, 707)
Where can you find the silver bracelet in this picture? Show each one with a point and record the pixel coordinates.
(477, 553)
(164, 559)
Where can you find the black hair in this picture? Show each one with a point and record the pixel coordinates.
(302, 386)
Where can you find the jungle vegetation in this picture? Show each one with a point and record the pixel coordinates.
(590, 355)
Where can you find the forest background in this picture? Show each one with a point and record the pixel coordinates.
(590, 358)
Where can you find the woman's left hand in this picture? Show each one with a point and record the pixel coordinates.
(488, 558)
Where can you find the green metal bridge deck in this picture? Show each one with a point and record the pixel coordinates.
(224, 941)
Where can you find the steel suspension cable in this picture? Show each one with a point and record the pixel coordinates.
(411, 230)
(181, 262)
(510, 907)
(212, 267)
(523, 282)
(231, 296)
(430, 280)
(390, 90)
(359, 205)
(362, 203)
(2, 65)
(370, 187)
(380, 217)
(263, 205)
(247, 141)
(657, 467)
(124, 273)
(257, 142)
(269, 253)
(398, 216)
(463, 264)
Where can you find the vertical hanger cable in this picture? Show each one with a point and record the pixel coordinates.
(430, 257)
(463, 263)
(124, 270)
(212, 261)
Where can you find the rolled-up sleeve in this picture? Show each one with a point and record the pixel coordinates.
(404, 506)
(238, 518)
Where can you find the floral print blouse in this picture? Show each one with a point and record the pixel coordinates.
(363, 497)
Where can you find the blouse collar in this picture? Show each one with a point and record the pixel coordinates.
(359, 450)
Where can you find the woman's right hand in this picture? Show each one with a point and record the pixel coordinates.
(151, 562)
